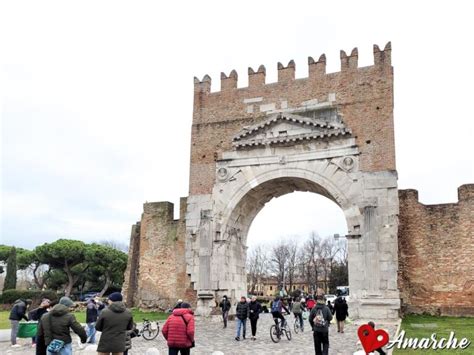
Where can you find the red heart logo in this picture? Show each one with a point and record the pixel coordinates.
(370, 338)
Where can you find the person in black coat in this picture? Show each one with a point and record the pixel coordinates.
(17, 313)
(92, 313)
(341, 311)
(241, 313)
(330, 306)
(254, 310)
(36, 313)
(225, 307)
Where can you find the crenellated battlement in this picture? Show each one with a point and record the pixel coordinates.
(286, 74)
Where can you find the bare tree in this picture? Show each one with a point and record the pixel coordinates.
(316, 260)
(279, 261)
(292, 264)
(257, 267)
(312, 251)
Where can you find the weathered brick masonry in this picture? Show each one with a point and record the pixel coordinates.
(364, 98)
(436, 254)
(156, 272)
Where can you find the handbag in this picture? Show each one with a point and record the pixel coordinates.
(56, 345)
(184, 320)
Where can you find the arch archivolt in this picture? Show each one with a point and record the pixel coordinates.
(256, 186)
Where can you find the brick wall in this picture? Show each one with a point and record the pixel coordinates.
(133, 266)
(436, 252)
(158, 259)
(364, 98)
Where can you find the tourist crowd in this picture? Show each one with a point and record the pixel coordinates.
(115, 322)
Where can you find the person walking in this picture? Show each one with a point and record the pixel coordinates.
(341, 311)
(254, 310)
(319, 318)
(92, 314)
(298, 312)
(55, 327)
(330, 306)
(17, 313)
(113, 322)
(242, 313)
(179, 330)
(225, 307)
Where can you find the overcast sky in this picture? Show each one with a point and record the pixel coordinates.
(97, 102)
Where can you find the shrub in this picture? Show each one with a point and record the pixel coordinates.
(10, 296)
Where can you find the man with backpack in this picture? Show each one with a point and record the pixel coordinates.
(277, 306)
(298, 312)
(319, 318)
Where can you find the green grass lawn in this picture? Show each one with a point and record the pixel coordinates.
(81, 317)
(423, 326)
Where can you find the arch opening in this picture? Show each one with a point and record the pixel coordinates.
(296, 245)
(244, 213)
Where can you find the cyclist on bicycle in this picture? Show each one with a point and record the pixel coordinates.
(298, 309)
(277, 306)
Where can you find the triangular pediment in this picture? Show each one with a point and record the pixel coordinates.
(284, 128)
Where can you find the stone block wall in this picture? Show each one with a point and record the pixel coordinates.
(436, 254)
(364, 97)
(156, 272)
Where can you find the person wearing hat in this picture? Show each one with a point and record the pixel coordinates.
(178, 304)
(56, 325)
(113, 322)
(179, 330)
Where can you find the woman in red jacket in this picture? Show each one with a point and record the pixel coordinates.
(179, 330)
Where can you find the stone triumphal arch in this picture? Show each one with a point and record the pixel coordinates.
(330, 134)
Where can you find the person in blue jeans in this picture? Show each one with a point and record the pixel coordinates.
(91, 318)
(242, 313)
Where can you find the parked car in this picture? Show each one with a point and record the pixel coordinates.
(88, 295)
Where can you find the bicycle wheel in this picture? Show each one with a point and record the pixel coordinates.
(288, 333)
(149, 333)
(297, 326)
(274, 334)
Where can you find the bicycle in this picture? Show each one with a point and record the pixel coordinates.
(297, 325)
(277, 330)
(149, 330)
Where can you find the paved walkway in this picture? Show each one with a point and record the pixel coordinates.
(211, 337)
